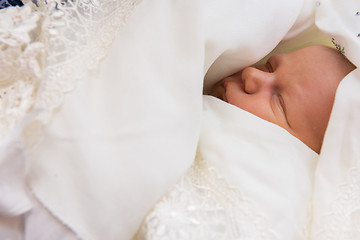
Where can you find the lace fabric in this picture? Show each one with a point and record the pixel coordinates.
(342, 221)
(46, 48)
(20, 64)
(202, 205)
(77, 37)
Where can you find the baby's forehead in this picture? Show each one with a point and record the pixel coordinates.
(317, 63)
(321, 55)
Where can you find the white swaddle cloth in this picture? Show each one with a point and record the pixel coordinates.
(122, 136)
(270, 166)
(337, 185)
(251, 180)
(125, 135)
(337, 181)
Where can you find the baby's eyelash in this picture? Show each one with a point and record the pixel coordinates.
(282, 103)
(283, 106)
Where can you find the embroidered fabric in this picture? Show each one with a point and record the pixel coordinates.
(343, 219)
(202, 205)
(46, 48)
(20, 64)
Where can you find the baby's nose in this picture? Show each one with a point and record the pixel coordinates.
(256, 80)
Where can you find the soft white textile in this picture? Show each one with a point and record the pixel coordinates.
(126, 125)
(337, 183)
(252, 180)
(125, 136)
(341, 23)
(21, 216)
(270, 166)
(14, 196)
(15, 199)
(161, 76)
(335, 210)
(240, 33)
(337, 186)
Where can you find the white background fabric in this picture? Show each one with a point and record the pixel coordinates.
(337, 186)
(125, 136)
(109, 132)
(240, 33)
(269, 166)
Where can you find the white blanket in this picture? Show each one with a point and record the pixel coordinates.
(124, 135)
(337, 184)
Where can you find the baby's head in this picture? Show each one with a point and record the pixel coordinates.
(295, 91)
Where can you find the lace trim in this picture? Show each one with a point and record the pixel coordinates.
(343, 219)
(20, 64)
(77, 36)
(71, 39)
(203, 206)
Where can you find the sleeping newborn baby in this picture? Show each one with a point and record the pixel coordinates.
(295, 91)
(253, 176)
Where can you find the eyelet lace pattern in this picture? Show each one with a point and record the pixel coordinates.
(202, 205)
(45, 48)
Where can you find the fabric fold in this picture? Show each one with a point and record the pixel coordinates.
(337, 190)
(15, 199)
(271, 167)
(126, 133)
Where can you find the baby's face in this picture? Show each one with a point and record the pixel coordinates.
(295, 91)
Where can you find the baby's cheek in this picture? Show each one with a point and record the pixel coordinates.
(235, 99)
(234, 94)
